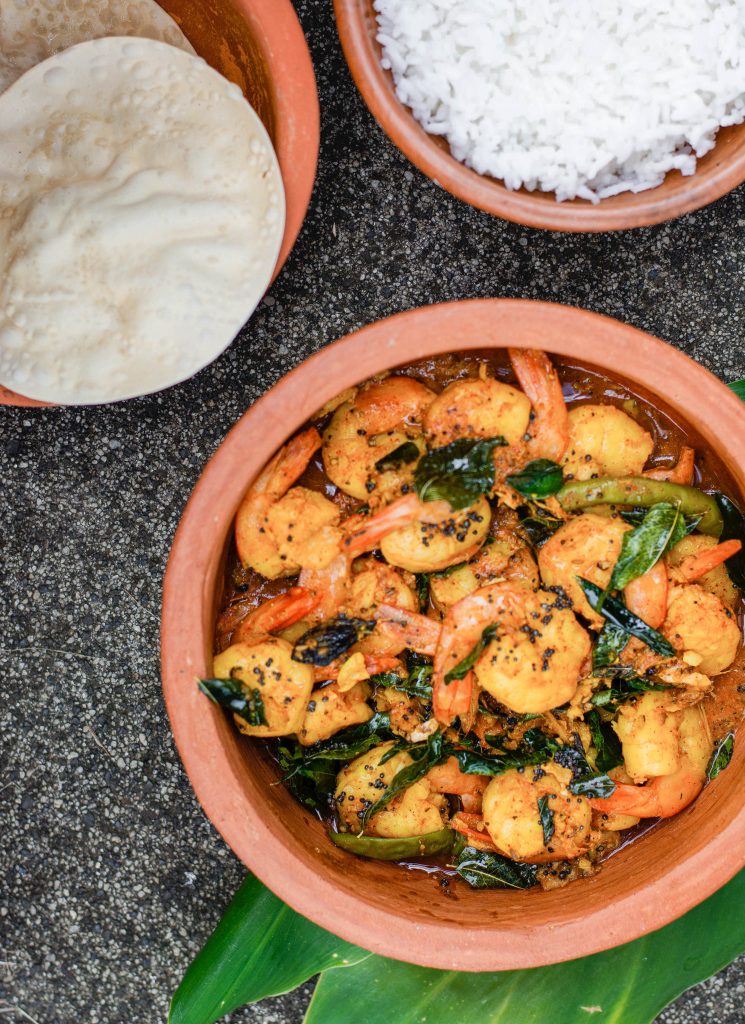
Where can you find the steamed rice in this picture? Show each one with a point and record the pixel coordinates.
(583, 98)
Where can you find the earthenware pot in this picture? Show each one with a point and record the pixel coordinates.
(406, 914)
(259, 45)
(717, 173)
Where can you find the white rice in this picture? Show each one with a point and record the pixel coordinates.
(582, 98)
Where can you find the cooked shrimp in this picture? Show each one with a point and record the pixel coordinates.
(473, 828)
(548, 428)
(430, 547)
(277, 613)
(588, 546)
(512, 815)
(265, 664)
(651, 740)
(448, 778)
(699, 558)
(415, 811)
(605, 441)
(373, 584)
(333, 708)
(419, 632)
(364, 533)
(681, 473)
(483, 407)
(406, 714)
(363, 430)
(702, 628)
(277, 530)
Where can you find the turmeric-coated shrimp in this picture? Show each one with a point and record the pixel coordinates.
(480, 407)
(605, 441)
(277, 613)
(363, 430)
(681, 473)
(279, 529)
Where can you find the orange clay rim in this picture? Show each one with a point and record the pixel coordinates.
(297, 136)
(717, 173)
(715, 847)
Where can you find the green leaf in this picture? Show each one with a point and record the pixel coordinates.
(626, 985)
(463, 667)
(423, 757)
(738, 386)
(485, 870)
(311, 781)
(235, 696)
(352, 742)
(623, 688)
(260, 948)
(608, 647)
(721, 756)
(422, 590)
(405, 454)
(394, 849)
(459, 472)
(539, 479)
(546, 818)
(472, 762)
(607, 745)
(328, 641)
(643, 546)
(538, 524)
(734, 529)
(618, 615)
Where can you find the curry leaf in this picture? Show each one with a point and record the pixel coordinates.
(546, 818)
(352, 742)
(328, 641)
(538, 524)
(423, 757)
(607, 745)
(260, 948)
(485, 870)
(608, 647)
(459, 472)
(464, 667)
(403, 455)
(626, 985)
(623, 688)
(643, 546)
(721, 756)
(235, 696)
(618, 615)
(422, 590)
(734, 529)
(310, 780)
(539, 479)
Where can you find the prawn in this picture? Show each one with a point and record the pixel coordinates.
(665, 795)
(277, 613)
(694, 567)
(275, 523)
(549, 427)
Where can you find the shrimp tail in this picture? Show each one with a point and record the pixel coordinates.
(539, 380)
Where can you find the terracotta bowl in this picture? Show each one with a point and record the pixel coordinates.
(718, 172)
(259, 45)
(398, 913)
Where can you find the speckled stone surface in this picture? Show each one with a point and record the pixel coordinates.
(110, 876)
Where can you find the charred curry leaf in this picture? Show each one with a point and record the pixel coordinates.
(619, 615)
(623, 688)
(721, 756)
(585, 781)
(311, 781)
(546, 818)
(608, 647)
(607, 745)
(459, 472)
(464, 667)
(235, 696)
(539, 479)
(485, 870)
(734, 529)
(422, 590)
(423, 757)
(405, 454)
(642, 547)
(538, 524)
(328, 641)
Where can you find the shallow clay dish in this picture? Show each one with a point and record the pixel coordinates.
(398, 913)
(717, 173)
(259, 45)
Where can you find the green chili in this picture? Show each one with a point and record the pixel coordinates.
(642, 492)
(394, 849)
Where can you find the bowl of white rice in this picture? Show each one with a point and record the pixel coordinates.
(571, 115)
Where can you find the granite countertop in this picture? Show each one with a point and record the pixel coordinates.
(111, 876)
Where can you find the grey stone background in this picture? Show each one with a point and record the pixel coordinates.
(111, 876)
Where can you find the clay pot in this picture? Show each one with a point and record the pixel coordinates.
(259, 45)
(717, 173)
(398, 913)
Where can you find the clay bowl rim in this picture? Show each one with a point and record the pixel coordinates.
(298, 124)
(200, 731)
(534, 210)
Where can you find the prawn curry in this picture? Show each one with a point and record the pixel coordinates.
(486, 614)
